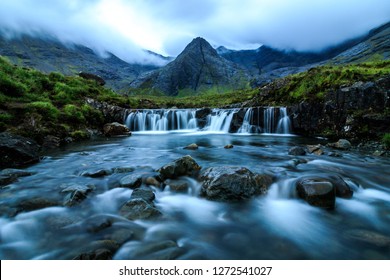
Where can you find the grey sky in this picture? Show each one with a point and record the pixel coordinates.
(125, 27)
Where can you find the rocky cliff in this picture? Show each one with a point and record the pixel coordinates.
(198, 68)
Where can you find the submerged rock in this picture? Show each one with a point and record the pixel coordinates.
(17, 151)
(297, 151)
(157, 250)
(369, 237)
(229, 146)
(227, 183)
(116, 129)
(9, 175)
(131, 181)
(97, 173)
(36, 203)
(145, 193)
(192, 146)
(180, 186)
(138, 208)
(317, 191)
(185, 166)
(76, 193)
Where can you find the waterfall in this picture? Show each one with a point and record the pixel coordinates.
(161, 120)
(284, 123)
(255, 120)
(269, 120)
(220, 120)
(247, 126)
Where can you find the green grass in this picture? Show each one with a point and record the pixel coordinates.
(386, 140)
(33, 104)
(317, 82)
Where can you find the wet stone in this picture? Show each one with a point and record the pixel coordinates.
(177, 185)
(131, 181)
(192, 146)
(144, 193)
(96, 173)
(184, 166)
(318, 192)
(138, 208)
(296, 151)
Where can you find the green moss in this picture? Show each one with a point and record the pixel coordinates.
(72, 113)
(386, 140)
(80, 135)
(45, 109)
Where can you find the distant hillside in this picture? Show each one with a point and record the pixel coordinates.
(267, 63)
(49, 55)
(197, 69)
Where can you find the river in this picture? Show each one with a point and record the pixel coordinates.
(277, 225)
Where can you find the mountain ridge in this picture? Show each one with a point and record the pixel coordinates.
(197, 68)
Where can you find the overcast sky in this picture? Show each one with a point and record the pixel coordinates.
(126, 27)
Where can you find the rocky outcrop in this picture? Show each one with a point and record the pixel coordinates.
(198, 67)
(227, 183)
(17, 151)
(356, 111)
(115, 129)
(111, 113)
(89, 76)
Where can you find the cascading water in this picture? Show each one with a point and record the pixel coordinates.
(161, 120)
(256, 120)
(220, 120)
(247, 126)
(284, 124)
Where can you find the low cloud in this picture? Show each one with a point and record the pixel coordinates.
(128, 27)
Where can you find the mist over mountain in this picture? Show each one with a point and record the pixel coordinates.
(197, 68)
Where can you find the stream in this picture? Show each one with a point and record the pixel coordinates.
(34, 223)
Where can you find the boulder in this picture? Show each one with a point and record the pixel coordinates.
(342, 188)
(145, 193)
(297, 151)
(229, 146)
(115, 129)
(96, 173)
(184, 166)
(75, 193)
(315, 149)
(342, 144)
(89, 76)
(131, 181)
(192, 146)
(227, 183)
(17, 151)
(138, 208)
(317, 191)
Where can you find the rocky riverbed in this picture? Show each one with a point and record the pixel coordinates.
(150, 197)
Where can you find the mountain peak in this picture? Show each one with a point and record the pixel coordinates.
(198, 68)
(199, 46)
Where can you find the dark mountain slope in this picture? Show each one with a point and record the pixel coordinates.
(49, 55)
(198, 68)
